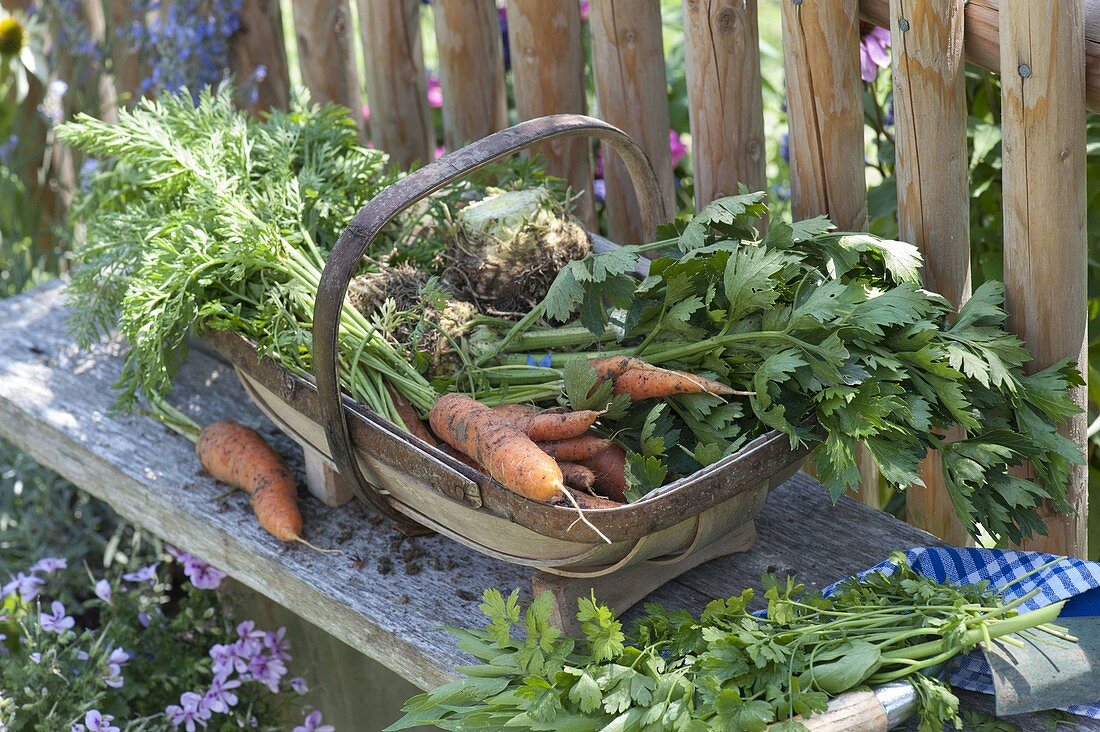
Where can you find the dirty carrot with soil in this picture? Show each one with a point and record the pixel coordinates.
(610, 470)
(577, 476)
(641, 380)
(578, 448)
(239, 456)
(507, 454)
(549, 424)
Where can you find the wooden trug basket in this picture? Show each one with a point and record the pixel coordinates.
(697, 518)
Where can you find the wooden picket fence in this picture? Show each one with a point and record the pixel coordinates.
(1050, 72)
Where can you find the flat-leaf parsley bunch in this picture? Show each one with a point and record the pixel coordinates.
(729, 669)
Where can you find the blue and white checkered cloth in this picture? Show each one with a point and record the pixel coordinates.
(1073, 580)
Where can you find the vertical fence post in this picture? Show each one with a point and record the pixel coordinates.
(1045, 248)
(326, 53)
(628, 61)
(548, 72)
(471, 69)
(126, 65)
(401, 122)
(933, 190)
(825, 117)
(725, 97)
(260, 42)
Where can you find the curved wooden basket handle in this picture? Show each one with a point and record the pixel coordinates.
(381, 209)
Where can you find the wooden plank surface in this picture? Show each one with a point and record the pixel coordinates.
(326, 53)
(983, 45)
(471, 69)
(628, 63)
(548, 78)
(1045, 247)
(933, 190)
(401, 122)
(722, 47)
(385, 597)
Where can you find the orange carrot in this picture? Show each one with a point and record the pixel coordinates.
(408, 414)
(577, 476)
(239, 456)
(578, 448)
(506, 453)
(610, 469)
(642, 380)
(461, 457)
(549, 424)
(561, 425)
(652, 383)
(494, 442)
(589, 501)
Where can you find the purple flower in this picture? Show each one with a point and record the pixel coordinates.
(220, 698)
(785, 146)
(57, 621)
(82, 655)
(277, 645)
(888, 120)
(94, 721)
(189, 711)
(299, 685)
(201, 574)
(584, 10)
(36, 657)
(312, 723)
(268, 670)
(873, 54)
(599, 189)
(113, 677)
(143, 618)
(27, 585)
(676, 147)
(435, 91)
(103, 591)
(145, 574)
(49, 565)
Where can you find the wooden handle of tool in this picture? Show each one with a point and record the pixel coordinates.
(853, 710)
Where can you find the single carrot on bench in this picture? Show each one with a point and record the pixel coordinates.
(504, 451)
(239, 456)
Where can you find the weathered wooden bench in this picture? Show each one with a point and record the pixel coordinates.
(386, 596)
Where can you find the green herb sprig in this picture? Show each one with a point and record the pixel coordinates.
(836, 342)
(729, 669)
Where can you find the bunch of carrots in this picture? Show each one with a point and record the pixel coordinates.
(549, 454)
(540, 454)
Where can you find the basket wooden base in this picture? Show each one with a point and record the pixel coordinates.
(625, 587)
(323, 481)
(619, 589)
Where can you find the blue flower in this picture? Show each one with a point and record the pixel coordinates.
(544, 362)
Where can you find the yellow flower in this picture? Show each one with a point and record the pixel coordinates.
(12, 37)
